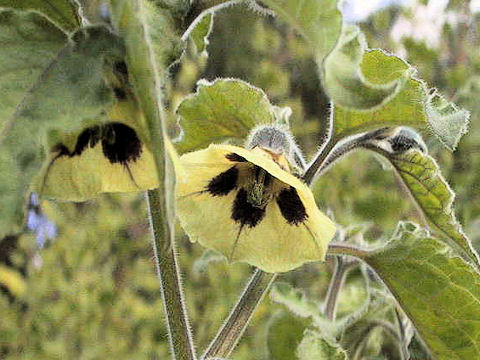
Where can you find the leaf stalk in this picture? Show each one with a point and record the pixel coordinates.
(236, 323)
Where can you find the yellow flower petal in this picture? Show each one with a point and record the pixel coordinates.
(273, 245)
(82, 177)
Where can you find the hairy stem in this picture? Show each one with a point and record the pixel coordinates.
(334, 150)
(403, 342)
(236, 323)
(321, 156)
(167, 270)
(336, 284)
(345, 249)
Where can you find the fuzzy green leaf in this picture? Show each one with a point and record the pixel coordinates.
(448, 122)
(345, 83)
(358, 328)
(438, 291)
(71, 88)
(314, 346)
(295, 300)
(47, 83)
(406, 108)
(411, 106)
(285, 332)
(221, 110)
(201, 32)
(423, 178)
(29, 44)
(337, 53)
(318, 21)
(64, 13)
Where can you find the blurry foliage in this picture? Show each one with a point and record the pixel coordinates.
(92, 292)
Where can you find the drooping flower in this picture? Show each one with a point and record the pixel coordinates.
(246, 204)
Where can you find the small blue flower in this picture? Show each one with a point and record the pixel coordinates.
(38, 223)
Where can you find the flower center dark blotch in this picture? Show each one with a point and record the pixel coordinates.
(120, 143)
(224, 182)
(291, 206)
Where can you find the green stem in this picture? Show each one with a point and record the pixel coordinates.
(403, 343)
(336, 284)
(320, 158)
(236, 323)
(345, 249)
(341, 270)
(167, 269)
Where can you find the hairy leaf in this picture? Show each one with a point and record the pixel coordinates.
(62, 12)
(338, 53)
(448, 122)
(318, 21)
(47, 84)
(358, 327)
(406, 108)
(29, 44)
(285, 332)
(438, 291)
(221, 110)
(201, 32)
(295, 300)
(423, 178)
(314, 346)
(72, 87)
(344, 81)
(411, 106)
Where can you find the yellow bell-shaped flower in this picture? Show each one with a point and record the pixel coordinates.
(249, 207)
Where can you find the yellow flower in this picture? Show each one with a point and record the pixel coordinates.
(249, 207)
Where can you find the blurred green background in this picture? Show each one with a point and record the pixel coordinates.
(91, 291)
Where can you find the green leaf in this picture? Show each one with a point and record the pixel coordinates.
(338, 53)
(411, 106)
(448, 122)
(299, 304)
(295, 300)
(431, 193)
(319, 22)
(48, 83)
(64, 13)
(29, 44)
(285, 332)
(406, 108)
(314, 346)
(359, 327)
(438, 291)
(201, 32)
(221, 110)
(71, 88)
(345, 83)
